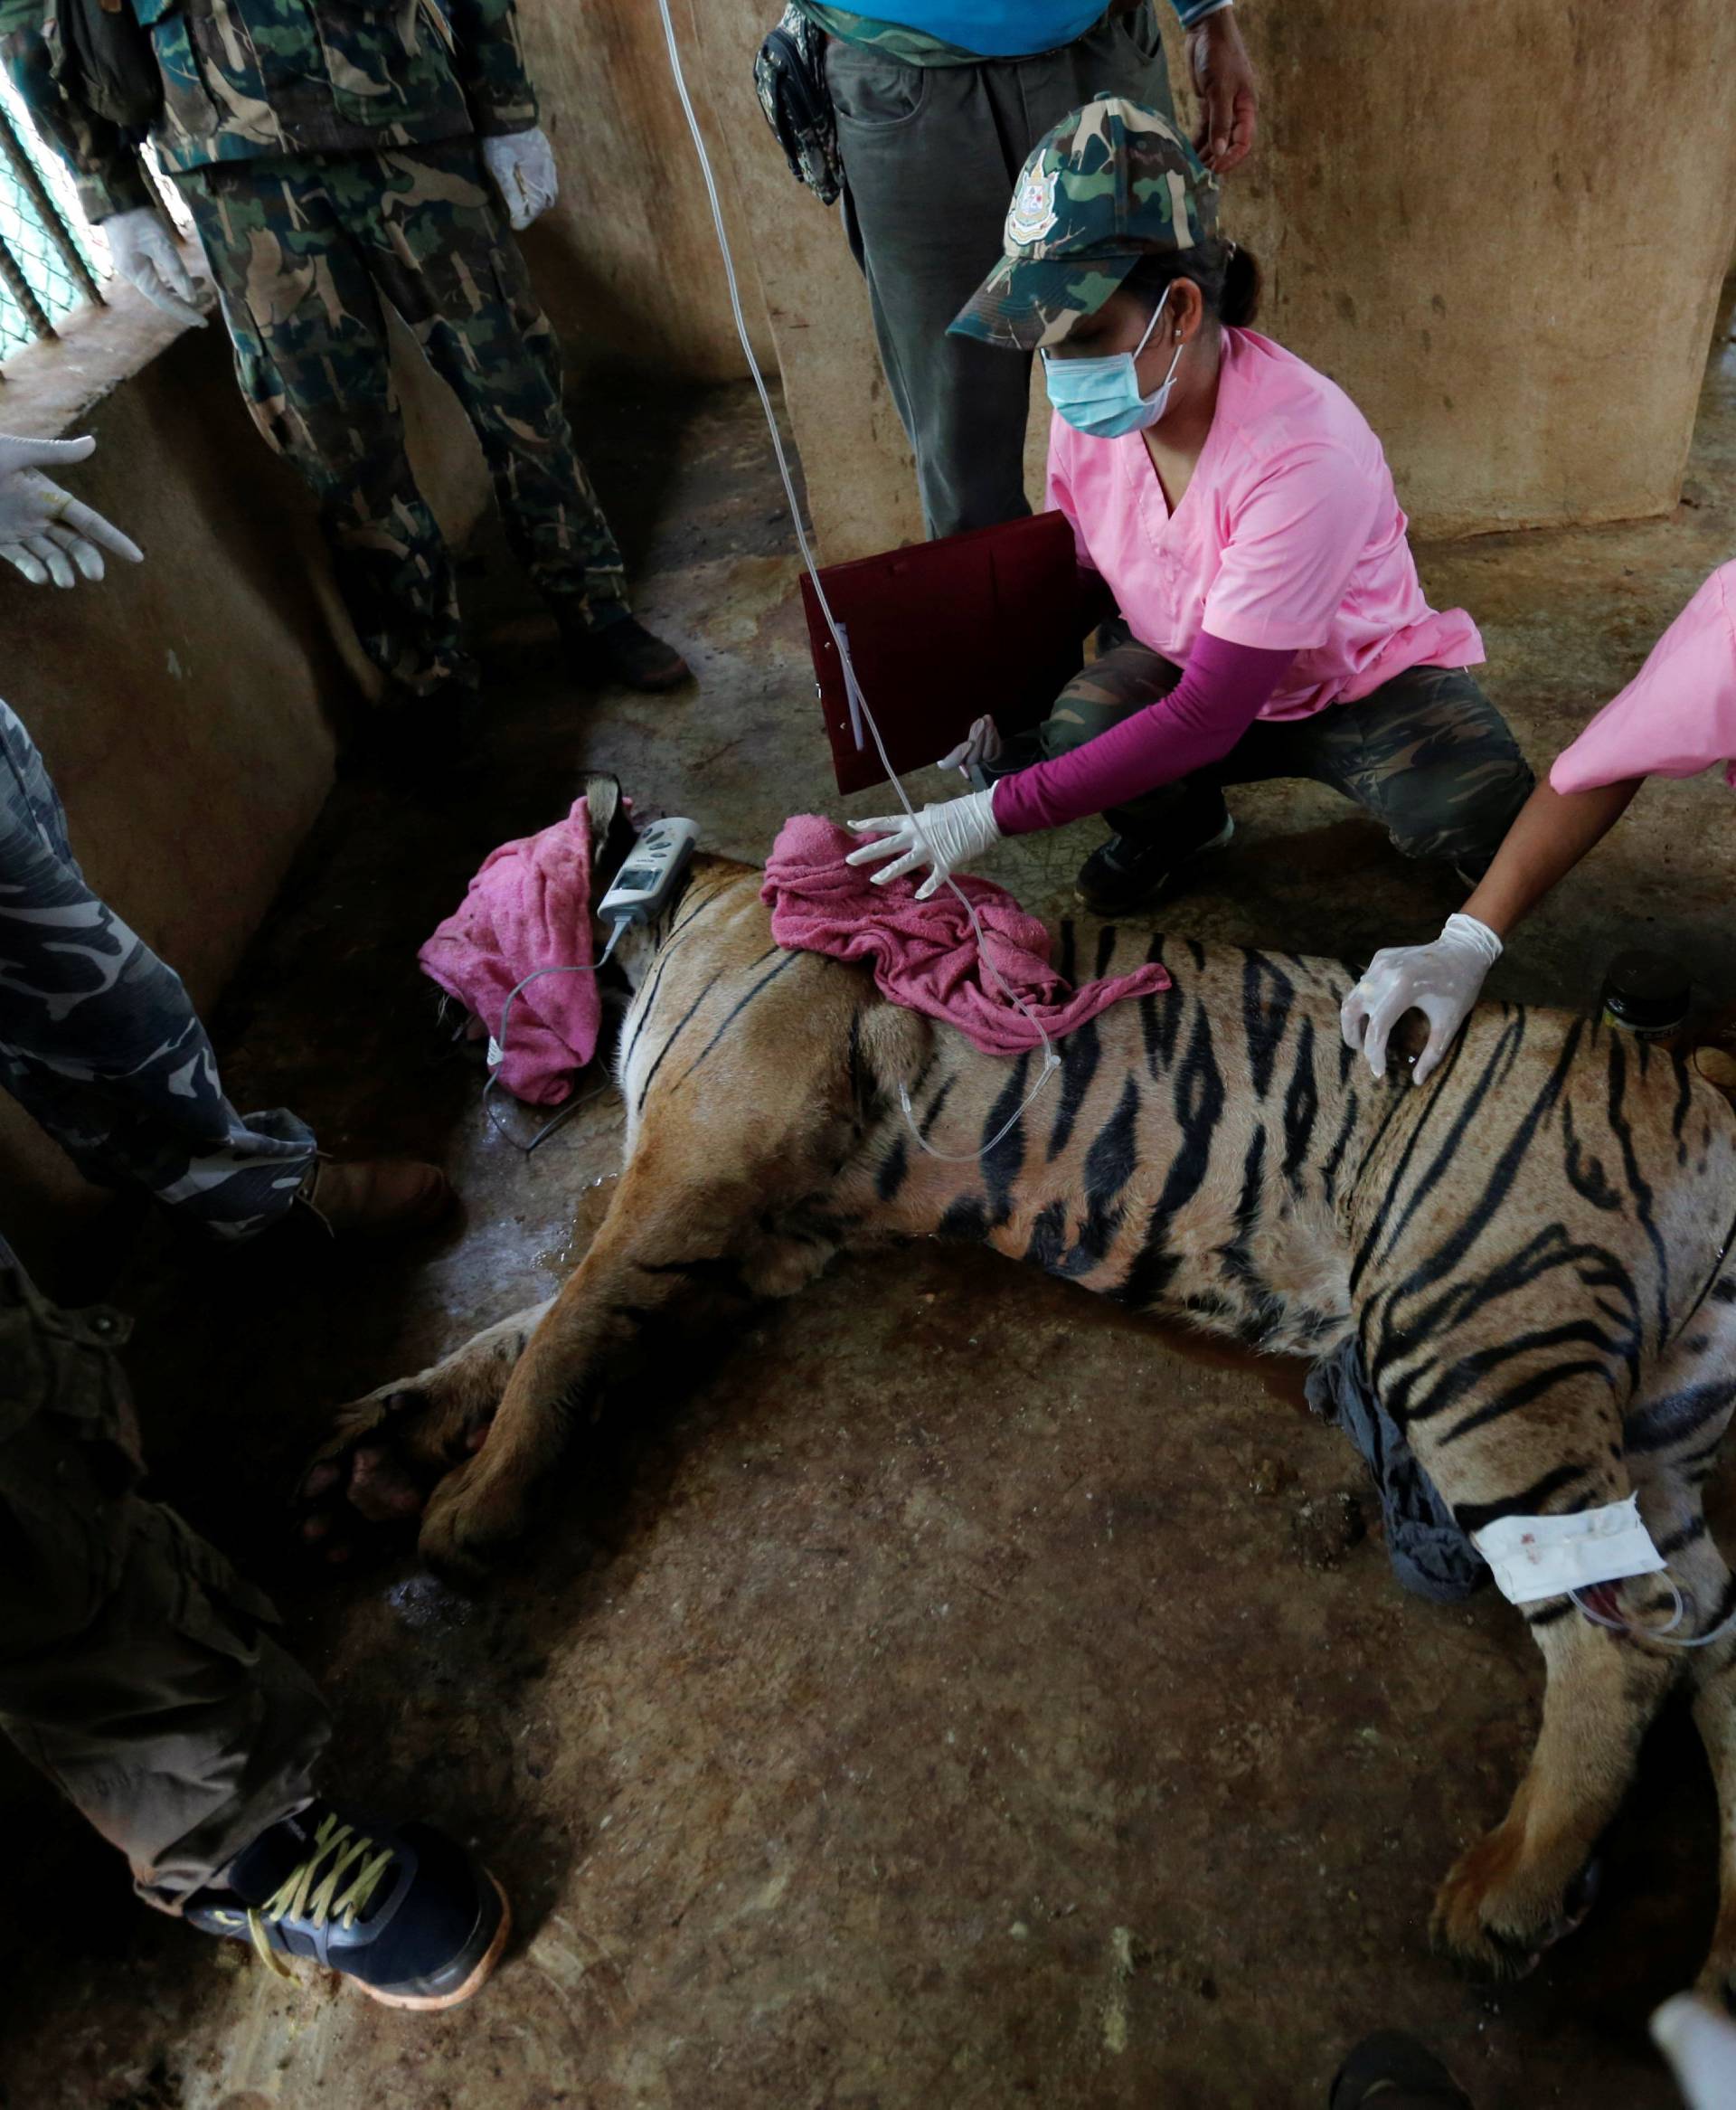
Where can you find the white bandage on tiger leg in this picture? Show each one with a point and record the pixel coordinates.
(1546, 1556)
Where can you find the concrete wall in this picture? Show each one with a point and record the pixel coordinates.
(627, 263)
(1503, 230)
(1500, 227)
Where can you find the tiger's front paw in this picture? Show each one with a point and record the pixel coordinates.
(1500, 1908)
(385, 1455)
(473, 1519)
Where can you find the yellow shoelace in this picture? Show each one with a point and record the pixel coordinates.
(301, 1898)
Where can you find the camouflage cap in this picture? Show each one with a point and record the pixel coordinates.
(1111, 183)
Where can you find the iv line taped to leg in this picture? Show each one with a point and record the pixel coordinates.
(1546, 1556)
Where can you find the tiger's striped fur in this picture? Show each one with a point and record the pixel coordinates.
(1534, 1252)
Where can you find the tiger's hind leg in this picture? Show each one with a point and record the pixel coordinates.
(1525, 1885)
(1713, 1672)
(1677, 1436)
(1511, 1433)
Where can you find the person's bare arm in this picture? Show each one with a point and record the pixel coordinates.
(1223, 75)
(1554, 831)
(1223, 80)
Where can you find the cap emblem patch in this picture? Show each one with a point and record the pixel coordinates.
(1032, 212)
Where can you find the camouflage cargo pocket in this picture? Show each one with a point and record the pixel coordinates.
(385, 64)
(188, 107)
(261, 387)
(210, 1602)
(69, 1458)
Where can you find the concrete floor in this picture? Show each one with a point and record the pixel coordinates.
(953, 1691)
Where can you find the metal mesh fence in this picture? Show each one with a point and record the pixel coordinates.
(45, 259)
(15, 328)
(44, 269)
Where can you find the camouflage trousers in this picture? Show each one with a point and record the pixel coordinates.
(137, 1669)
(307, 253)
(100, 1042)
(1427, 754)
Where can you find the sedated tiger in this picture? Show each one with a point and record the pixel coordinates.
(1534, 1252)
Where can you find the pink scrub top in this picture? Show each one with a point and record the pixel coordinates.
(1290, 536)
(1677, 716)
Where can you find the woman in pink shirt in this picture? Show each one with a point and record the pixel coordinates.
(1676, 718)
(1235, 506)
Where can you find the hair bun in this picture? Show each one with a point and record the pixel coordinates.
(1238, 303)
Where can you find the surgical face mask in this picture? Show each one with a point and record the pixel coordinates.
(1101, 397)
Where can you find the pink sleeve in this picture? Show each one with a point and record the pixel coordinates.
(1217, 699)
(1061, 489)
(1677, 716)
(1292, 547)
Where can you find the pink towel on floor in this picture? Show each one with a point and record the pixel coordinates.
(528, 907)
(924, 952)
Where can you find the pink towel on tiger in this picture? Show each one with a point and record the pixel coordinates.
(924, 952)
(528, 907)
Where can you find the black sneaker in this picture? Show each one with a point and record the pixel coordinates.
(403, 1910)
(1131, 871)
(625, 651)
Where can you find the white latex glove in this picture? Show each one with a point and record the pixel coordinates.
(1440, 980)
(523, 166)
(944, 836)
(42, 525)
(982, 743)
(1700, 2044)
(144, 252)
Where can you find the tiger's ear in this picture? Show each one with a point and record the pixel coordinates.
(602, 797)
(611, 829)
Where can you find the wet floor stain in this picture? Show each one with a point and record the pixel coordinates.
(593, 1206)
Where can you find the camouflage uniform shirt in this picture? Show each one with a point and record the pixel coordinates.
(245, 78)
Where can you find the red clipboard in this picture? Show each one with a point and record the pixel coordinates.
(941, 632)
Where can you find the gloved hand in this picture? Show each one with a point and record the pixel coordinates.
(42, 525)
(1700, 2043)
(146, 253)
(1440, 980)
(944, 836)
(982, 743)
(523, 166)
